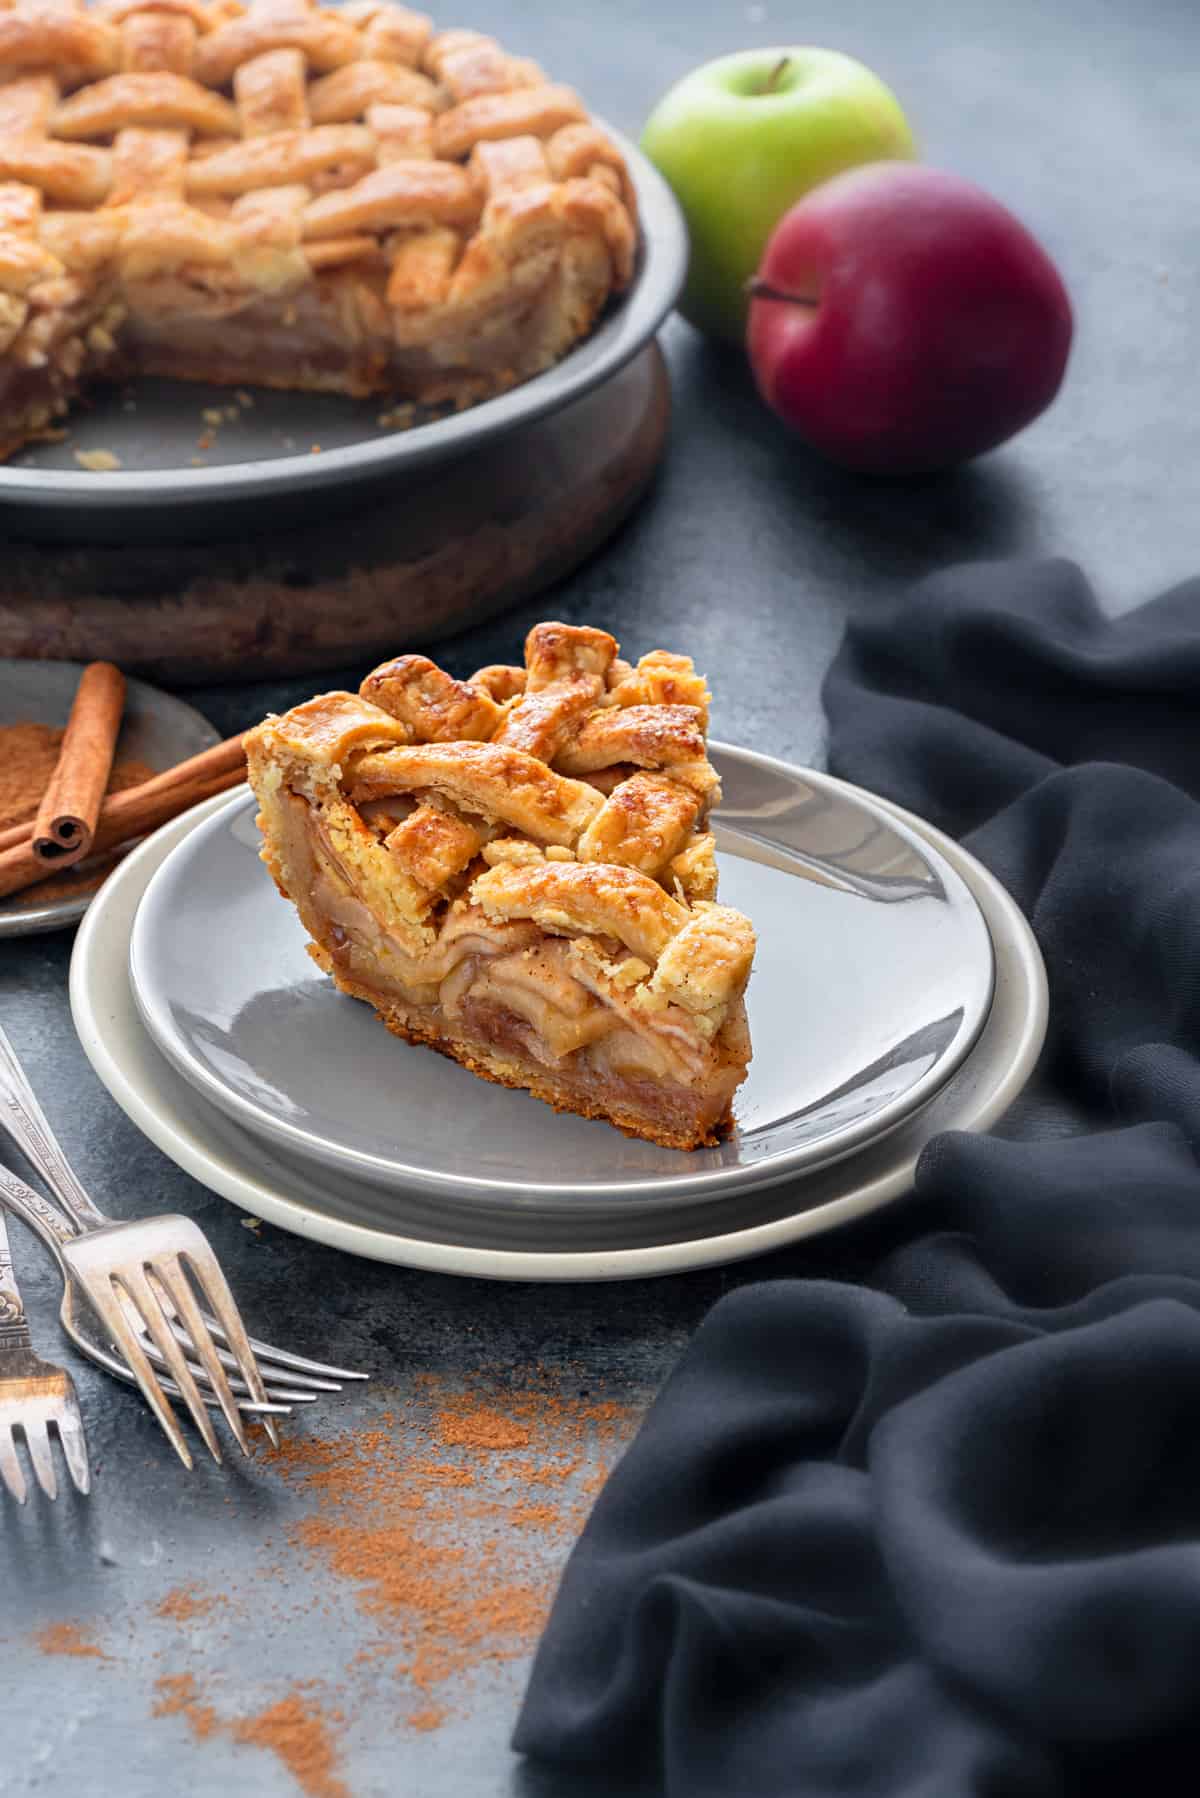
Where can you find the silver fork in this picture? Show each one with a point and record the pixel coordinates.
(85, 1330)
(115, 1266)
(33, 1397)
(290, 1379)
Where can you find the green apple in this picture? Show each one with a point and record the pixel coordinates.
(743, 138)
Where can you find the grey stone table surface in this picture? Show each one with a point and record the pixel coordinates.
(358, 1620)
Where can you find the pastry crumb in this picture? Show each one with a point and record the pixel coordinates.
(252, 1223)
(243, 398)
(213, 415)
(398, 418)
(97, 461)
(314, 449)
(206, 442)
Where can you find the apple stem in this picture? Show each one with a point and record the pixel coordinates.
(772, 80)
(758, 289)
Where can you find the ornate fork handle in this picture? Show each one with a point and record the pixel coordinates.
(26, 1123)
(37, 1212)
(14, 1331)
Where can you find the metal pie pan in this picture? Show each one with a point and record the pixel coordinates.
(266, 450)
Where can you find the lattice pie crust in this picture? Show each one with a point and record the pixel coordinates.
(516, 869)
(290, 195)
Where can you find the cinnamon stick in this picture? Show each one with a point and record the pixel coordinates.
(67, 817)
(133, 813)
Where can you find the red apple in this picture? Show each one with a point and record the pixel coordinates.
(903, 320)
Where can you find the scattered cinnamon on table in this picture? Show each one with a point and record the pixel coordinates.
(431, 1540)
(69, 1639)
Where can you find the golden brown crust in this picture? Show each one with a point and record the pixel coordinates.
(504, 785)
(646, 822)
(549, 933)
(588, 899)
(427, 214)
(436, 707)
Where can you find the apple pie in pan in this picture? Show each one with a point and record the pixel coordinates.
(516, 869)
(290, 195)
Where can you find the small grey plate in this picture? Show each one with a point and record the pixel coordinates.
(873, 980)
(265, 450)
(156, 729)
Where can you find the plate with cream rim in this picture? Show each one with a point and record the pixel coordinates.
(873, 979)
(408, 1229)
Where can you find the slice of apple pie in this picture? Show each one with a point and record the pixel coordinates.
(516, 869)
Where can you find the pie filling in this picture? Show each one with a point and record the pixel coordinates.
(550, 932)
(294, 196)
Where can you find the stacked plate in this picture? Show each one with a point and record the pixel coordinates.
(897, 992)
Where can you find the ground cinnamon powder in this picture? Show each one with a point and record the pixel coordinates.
(301, 1736)
(183, 1604)
(28, 756)
(295, 1729)
(178, 1697)
(68, 1639)
(445, 1523)
(390, 1520)
(480, 1428)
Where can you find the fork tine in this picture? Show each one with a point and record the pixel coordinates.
(143, 1292)
(283, 1358)
(37, 1441)
(180, 1295)
(215, 1287)
(270, 1374)
(110, 1361)
(301, 1363)
(282, 1396)
(103, 1297)
(10, 1466)
(74, 1447)
(182, 1335)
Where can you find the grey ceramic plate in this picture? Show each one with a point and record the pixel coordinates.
(513, 1242)
(154, 426)
(873, 980)
(157, 730)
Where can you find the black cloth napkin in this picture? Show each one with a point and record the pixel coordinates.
(938, 1532)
